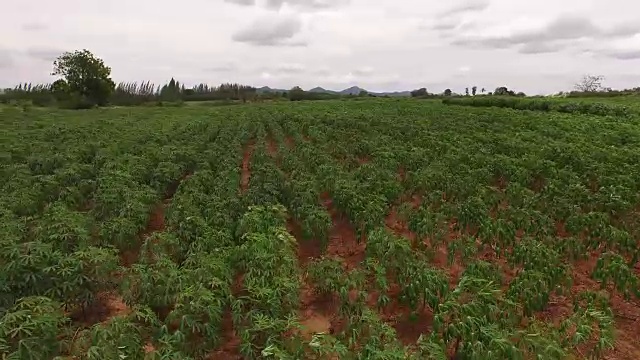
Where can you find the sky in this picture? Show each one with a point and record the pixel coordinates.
(538, 47)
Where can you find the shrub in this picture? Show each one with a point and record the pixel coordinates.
(598, 109)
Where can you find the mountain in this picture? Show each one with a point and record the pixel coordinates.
(318, 89)
(394, 93)
(354, 90)
(266, 89)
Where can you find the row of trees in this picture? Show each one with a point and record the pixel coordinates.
(588, 85)
(85, 81)
(134, 93)
(501, 91)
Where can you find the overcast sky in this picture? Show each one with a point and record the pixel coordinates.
(538, 46)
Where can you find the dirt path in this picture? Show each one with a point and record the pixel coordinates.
(408, 325)
(363, 160)
(626, 312)
(397, 224)
(315, 312)
(308, 249)
(230, 350)
(343, 240)
(290, 142)
(246, 162)
(111, 304)
(272, 146)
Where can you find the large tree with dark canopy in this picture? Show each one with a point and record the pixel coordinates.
(85, 75)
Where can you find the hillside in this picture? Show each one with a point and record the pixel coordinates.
(354, 90)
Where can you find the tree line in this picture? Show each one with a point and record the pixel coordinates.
(499, 91)
(85, 81)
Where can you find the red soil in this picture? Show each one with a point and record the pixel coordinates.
(363, 160)
(538, 183)
(290, 142)
(408, 325)
(500, 182)
(156, 221)
(231, 342)
(106, 306)
(112, 305)
(149, 348)
(272, 147)
(402, 174)
(399, 226)
(316, 312)
(246, 160)
(343, 241)
(307, 249)
(626, 313)
(173, 187)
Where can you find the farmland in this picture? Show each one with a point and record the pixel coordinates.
(373, 229)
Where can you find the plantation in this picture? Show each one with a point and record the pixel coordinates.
(373, 229)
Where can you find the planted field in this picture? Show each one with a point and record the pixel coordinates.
(376, 229)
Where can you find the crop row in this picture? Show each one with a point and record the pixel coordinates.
(199, 220)
(584, 108)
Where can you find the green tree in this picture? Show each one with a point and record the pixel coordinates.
(85, 75)
(170, 91)
(503, 90)
(474, 90)
(296, 94)
(419, 92)
(447, 92)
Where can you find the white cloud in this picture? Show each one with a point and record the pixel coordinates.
(290, 68)
(364, 71)
(271, 31)
(224, 67)
(536, 47)
(34, 26)
(6, 59)
(622, 54)
(557, 34)
(466, 7)
(305, 4)
(241, 2)
(44, 53)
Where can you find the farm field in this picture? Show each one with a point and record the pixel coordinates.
(376, 229)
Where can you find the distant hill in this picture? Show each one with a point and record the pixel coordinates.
(266, 89)
(354, 90)
(318, 89)
(394, 93)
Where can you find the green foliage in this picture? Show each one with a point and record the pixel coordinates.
(586, 108)
(120, 338)
(87, 77)
(612, 269)
(29, 330)
(386, 217)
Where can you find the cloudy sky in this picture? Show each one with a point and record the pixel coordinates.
(538, 46)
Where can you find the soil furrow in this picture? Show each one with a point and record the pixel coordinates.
(246, 169)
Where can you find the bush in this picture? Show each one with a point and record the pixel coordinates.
(599, 109)
(76, 102)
